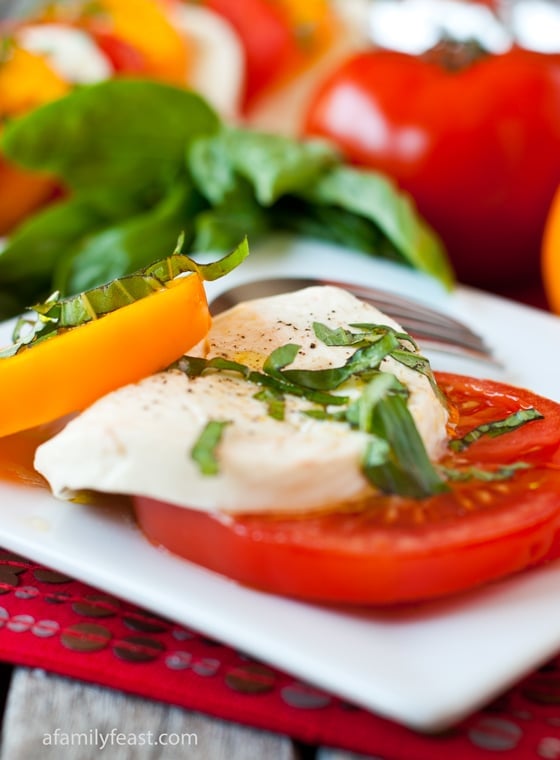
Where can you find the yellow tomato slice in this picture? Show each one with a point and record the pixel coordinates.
(69, 371)
(550, 261)
(314, 27)
(146, 25)
(26, 81)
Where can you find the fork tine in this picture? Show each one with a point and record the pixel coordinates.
(432, 328)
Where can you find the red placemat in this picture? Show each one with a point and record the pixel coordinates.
(51, 621)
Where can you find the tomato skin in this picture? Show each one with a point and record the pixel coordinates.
(550, 257)
(481, 164)
(124, 58)
(445, 544)
(266, 36)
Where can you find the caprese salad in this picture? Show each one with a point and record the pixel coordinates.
(305, 447)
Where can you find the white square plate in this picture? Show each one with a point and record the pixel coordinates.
(426, 666)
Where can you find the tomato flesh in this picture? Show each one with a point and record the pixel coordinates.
(394, 549)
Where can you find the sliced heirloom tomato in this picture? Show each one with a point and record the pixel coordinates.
(395, 549)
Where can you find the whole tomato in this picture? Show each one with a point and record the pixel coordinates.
(477, 145)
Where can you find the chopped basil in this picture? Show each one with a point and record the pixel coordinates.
(193, 366)
(363, 359)
(335, 337)
(274, 401)
(504, 472)
(56, 314)
(494, 429)
(395, 459)
(374, 330)
(204, 450)
(420, 364)
(341, 337)
(406, 468)
(280, 358)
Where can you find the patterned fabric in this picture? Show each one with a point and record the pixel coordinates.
(50, 621)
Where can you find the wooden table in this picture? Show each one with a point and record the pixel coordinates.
(38, 703)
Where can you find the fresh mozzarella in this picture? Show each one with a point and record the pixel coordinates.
(138, 440)
(217, 68)
(71, 52)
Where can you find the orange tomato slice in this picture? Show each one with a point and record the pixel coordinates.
(69, 371)
(22, 192)
(314, 27)
(26, 81)
(147, 26)
(550, 260)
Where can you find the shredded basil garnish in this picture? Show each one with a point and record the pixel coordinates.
(505, 472)
(494, 429)
(406, 468)
(57, 314)
(195, 366)
(204, 450)
(275, 403)
(395, 459)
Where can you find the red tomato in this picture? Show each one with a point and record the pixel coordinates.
(396, 549)
(124, 57)
(477, 147)
(266, 37)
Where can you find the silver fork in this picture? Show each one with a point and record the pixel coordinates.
(433, 329)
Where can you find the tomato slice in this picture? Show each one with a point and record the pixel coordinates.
(69, 371)
(550, 255)
(394, 549)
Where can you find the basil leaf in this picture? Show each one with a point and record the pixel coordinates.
(420, 364)
(119, 250)
(407, 469)
(273, 164)
(121, 134)
(275, 403)
(35, 247)
(281, 357)
(219, 229)
(204, 451)
(494, 429)
(55, 313)
(362, 360)
(360, 412)
(335, 337)
(374, 197)
(194, 366)
(374, 330)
